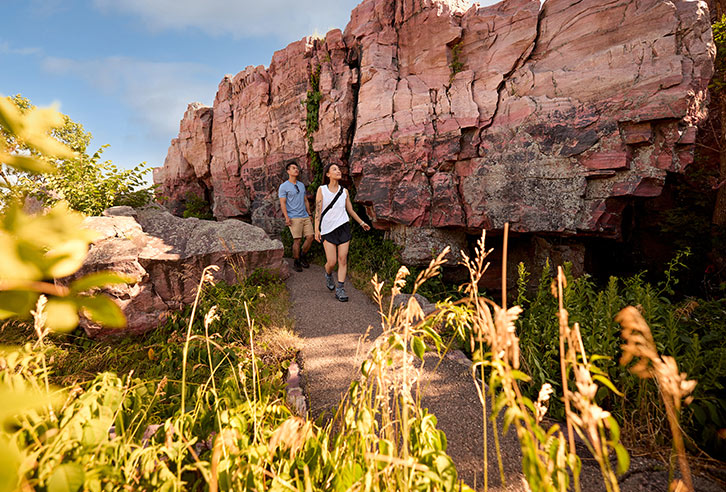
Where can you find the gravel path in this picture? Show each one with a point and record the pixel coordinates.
(332, 352)
(331, 356)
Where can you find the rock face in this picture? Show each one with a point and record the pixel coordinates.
(453, 119)
(167, 255)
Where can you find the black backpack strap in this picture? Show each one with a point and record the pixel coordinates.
(340, 192)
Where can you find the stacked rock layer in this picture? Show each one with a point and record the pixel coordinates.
(449, 119)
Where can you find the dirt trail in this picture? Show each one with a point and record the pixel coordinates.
(331, 355)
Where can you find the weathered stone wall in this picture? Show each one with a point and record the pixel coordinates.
(166, 255)
(453, 119)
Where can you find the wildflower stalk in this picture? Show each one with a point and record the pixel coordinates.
(562, 316)
(206, 277)
(672, 384)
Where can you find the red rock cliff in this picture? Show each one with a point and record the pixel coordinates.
(451, 119)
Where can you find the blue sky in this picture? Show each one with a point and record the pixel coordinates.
(126, 69)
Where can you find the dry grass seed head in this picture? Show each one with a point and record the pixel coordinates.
(413, 312)
(673, 382)
(377, 290)
(208, 277)
(432, 270)
(400, 281)
(210, 317)
(506, 342)
(292, 435)
(640, 344)
(40, 317)
(542, 402)
(685, 311)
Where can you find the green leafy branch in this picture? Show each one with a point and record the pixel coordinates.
(37, 249)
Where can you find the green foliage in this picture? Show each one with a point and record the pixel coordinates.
(88, 184)
(36, 249)
(456, 64)
(693, 331)
(719, 39)
(370, 253)
(110, 431)
(312, 108)
(196, 206)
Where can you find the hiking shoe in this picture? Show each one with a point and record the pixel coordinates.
(340, 294)
(304, 262)
(329, 281)
(296, 266)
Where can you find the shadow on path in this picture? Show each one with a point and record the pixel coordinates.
(331, 332)
(332, 354)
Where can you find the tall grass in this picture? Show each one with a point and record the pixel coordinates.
(693, 331)
(233, 431)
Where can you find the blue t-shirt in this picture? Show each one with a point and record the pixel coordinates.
(295, 194)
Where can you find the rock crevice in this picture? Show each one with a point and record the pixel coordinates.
(552, 117)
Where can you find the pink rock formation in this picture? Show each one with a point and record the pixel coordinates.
(456, 118)
(167, 254)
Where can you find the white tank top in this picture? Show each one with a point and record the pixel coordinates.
(337, 215)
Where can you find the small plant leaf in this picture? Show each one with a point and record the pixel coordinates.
(100, 279)
(68, 477)
(26, 163)
(418, 347)
(607, 383)
(623, 459)
(101, 309)
(62, 315)
(16, 303)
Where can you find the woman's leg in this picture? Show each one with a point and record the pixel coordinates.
(342, 261)
(330, 256)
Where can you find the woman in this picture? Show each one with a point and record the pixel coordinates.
(332, 226)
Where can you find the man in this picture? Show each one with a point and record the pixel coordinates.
(296, 210)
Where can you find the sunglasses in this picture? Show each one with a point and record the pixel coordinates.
(297, 190)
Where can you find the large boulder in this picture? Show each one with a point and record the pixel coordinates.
(167, 254)
(450, 119)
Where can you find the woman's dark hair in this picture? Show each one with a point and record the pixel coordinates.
(326, 169)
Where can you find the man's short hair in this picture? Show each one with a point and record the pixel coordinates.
(291, 163)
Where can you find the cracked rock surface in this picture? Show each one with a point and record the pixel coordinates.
(553, 117)
(166, 254)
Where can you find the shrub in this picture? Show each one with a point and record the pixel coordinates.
(196, 206)
(88, 184)
(693, 331)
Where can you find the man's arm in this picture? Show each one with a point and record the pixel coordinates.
(283, 206)
(307, 205)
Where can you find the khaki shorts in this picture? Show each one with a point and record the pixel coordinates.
(301, 227)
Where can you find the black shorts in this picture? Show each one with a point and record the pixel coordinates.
(339, 235)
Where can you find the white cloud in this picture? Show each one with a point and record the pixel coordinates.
(287, 19)
(156, 92)
(7, 49)
(47, 8)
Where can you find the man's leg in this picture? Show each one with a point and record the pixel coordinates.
(305, 248)
(296, 248)
(309, 233)
(296, 255)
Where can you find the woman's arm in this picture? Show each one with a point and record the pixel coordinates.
(318, 210)
(351, 212)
